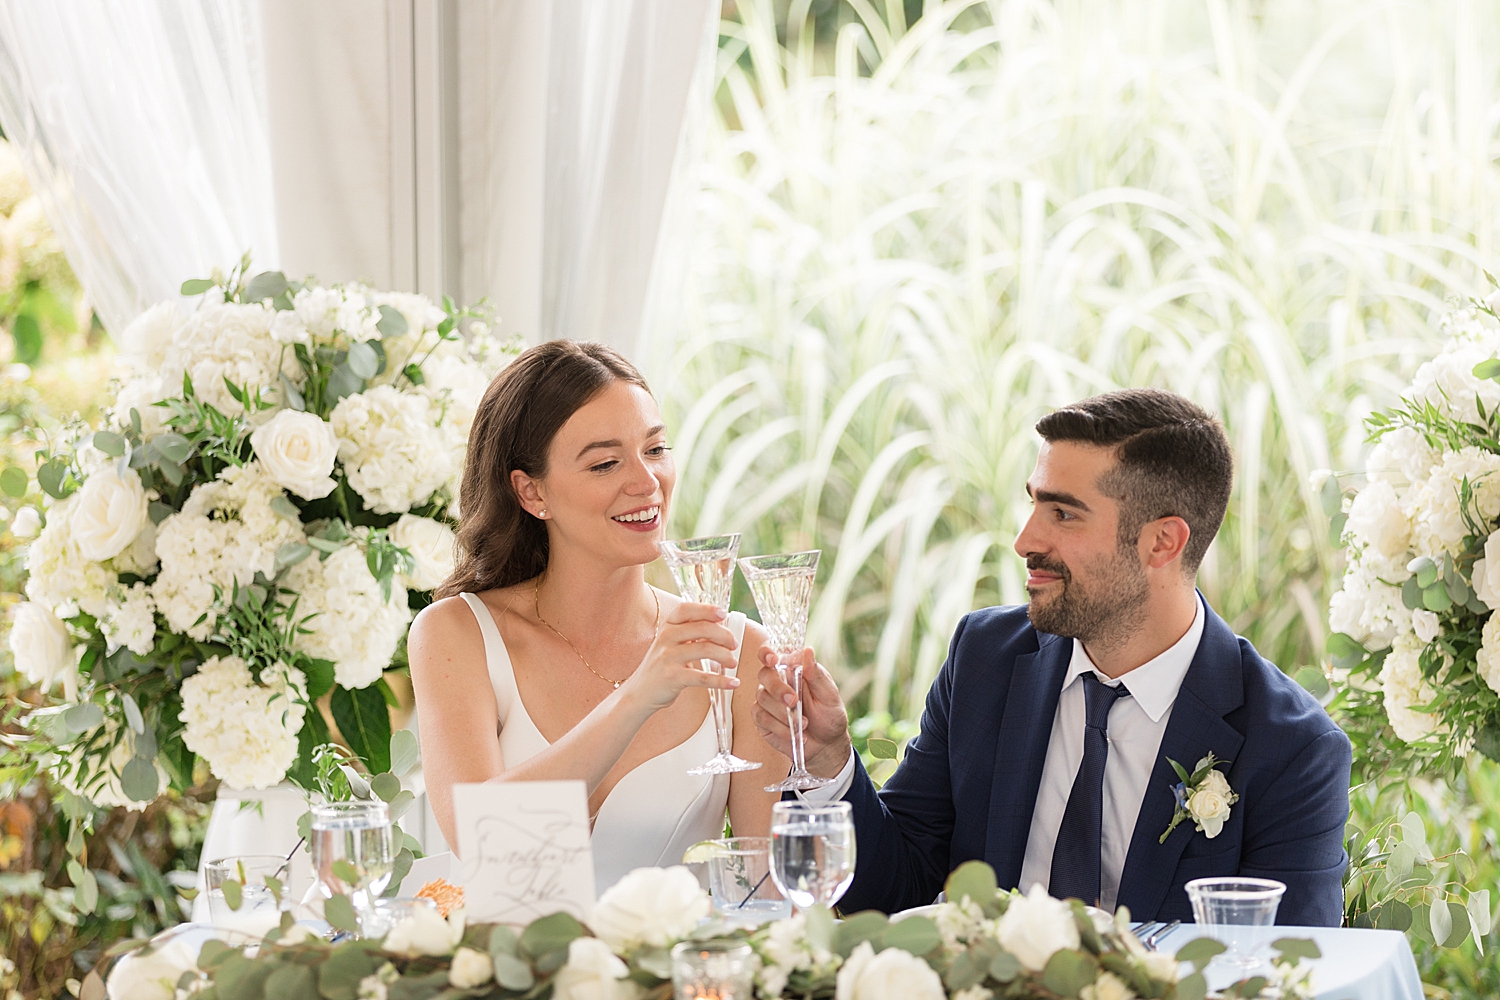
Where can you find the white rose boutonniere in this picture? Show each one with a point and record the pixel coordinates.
(1203, 796)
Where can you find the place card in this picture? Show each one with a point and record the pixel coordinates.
(523, 850)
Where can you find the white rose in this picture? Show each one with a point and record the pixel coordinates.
(425, 932)
(1426, 624)
(152, 973)
(1486, 572)
(43, 649)
(297, 451)
(430, 544)
(28, 523)
(1107, 987)
(653, 906)
(469, 969)
(893, 974)
(148, 337)
(1209, 808)
(1376, 517)
(593, 972)
(1161, 966)
(110, 513)
(1035, 927)
(1487, 661)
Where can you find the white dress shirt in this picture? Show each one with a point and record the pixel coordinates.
(1136, 726)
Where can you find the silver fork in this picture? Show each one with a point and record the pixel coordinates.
(1145, 928)
(1158, 933)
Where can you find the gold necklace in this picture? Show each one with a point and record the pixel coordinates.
(536, 597)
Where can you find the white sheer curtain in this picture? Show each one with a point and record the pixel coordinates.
(571, 117)
(142, 127)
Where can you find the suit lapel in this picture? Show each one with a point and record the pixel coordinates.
(1212, 688)
(1021, 751)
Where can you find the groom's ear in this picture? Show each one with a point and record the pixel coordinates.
(1164, 540)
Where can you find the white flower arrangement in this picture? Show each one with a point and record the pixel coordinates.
(1062, 950)
(269, 501)
(1412, 620)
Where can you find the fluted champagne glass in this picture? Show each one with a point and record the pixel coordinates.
(704, 571)
(782, 585)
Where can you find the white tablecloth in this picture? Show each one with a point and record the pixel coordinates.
(1356, 964)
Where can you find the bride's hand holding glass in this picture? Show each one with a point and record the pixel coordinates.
(690, 633)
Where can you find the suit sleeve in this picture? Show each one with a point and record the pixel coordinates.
(903, 832)
(1296, 833)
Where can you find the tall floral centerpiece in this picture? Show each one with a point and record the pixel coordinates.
(1414, 622)
(270, 500)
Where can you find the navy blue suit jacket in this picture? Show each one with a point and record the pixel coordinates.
(968, 784)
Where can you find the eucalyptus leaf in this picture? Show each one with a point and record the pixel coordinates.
(1435, 598)
(196, 286)
(405, 752)
(1440, 921)
(385, 786)
(171, 472)
(400, 866)
(292, 395)
(551, 933)
(392, 323)
(14, 481)
(1413, 831)
(172, 447)
(400, 804)
(83, 717)
(86, 892)
(973, 879)
(1314, 681)
(50, 477)
(343, 381)
(1479, 912)
(917, 935)
(1200, 951)
(363, 360)
(1068, 972)
(132, 712)
(284, 507)
(503, 940)
(291, 553)
(233, 892)
(265, 285)
(110, 443)
(139, 780)
(159, 511)
(339, 912)
(510, 972)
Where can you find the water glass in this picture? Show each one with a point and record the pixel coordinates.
(812, 851)
(259, 910)
(352, 850)
(1226, 906)
(713, 970)
(739, 877)
(378, 916)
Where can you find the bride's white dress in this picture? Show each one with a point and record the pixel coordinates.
(657, 810)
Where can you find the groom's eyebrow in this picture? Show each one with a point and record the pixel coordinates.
(1052, 496)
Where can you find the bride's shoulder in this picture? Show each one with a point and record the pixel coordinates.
(443, 626)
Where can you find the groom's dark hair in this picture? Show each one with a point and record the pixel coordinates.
(1174, 460)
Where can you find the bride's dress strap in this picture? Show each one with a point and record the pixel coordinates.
(497, 662)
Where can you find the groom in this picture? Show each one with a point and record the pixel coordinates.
(1045, 741)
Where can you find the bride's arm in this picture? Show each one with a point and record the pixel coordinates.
(749, 802)
(459, 725)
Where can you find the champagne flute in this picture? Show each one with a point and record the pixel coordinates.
(782, 585)
(812, 851)
(704, 571)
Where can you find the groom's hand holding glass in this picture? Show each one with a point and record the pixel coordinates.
(825, 723)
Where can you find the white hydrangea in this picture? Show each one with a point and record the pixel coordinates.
(353, 627)
(1447, 382)
(148, 339)
(1377, 520)
(246, 731)
(1438, 524)
(1405, 688)
(1487, 662)
(1401, 456)
(418, 310)
(130, 620)
(229, 341)
(59, 578)
(393, 453)
(224, 534)
(325, 313)
(138, 393)
(785, 950)
(1368, 609)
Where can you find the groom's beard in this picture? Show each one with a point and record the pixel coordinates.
(1107, 611)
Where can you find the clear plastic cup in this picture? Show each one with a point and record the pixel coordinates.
(739, 877)
(1227, 907)
(259, 911)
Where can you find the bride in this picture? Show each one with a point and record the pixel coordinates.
(548, 655)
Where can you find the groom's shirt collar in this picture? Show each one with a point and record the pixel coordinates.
(1154, 684)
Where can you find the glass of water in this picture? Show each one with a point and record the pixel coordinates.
(812, 851)
(1229, 907)
(351, 849)
(239, 898)
(377, 919)
(739, 877)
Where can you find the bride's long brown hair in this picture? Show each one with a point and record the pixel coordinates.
(500, 543)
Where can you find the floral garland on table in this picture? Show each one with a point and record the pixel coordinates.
(1412, 620)
(989, 944)
(252, 528)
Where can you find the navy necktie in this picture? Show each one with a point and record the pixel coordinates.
(1076, 857)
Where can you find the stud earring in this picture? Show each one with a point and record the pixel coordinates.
(542, 513)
